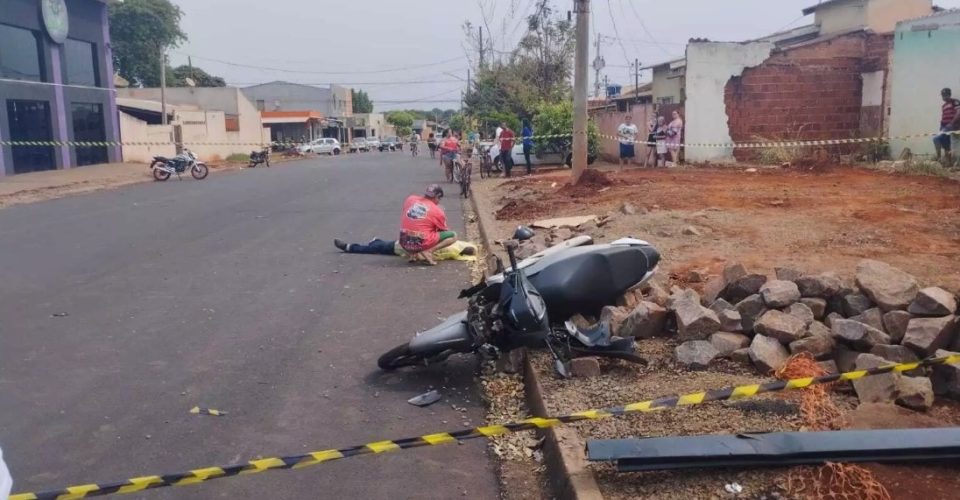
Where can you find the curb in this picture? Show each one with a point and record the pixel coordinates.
(563, 450)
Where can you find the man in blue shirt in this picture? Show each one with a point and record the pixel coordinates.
(527, 134)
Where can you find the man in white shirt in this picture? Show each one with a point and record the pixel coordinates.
(627, 133)
(6, 483)
(496, 137)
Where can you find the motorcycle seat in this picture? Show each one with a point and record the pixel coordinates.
(161, 158)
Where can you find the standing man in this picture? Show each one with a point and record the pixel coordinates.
(627, 133)
(506, 148)
(527, 134)
(423, 226)
(949, 122)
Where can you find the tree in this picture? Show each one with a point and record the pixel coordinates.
(361, 102)
(557, 119)
(140, 31)
(177, 77)
(402, 121)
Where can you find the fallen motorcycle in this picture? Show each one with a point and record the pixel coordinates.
(529, 305)
(164, 167)
(258, 157)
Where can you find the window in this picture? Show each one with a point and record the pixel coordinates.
(88, 126)
(665, 100)
(20, 54)
(30, 121)
(80, 62)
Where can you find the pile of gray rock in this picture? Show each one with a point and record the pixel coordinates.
(883, 317)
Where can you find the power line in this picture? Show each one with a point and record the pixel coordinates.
(626, 57)
(647, 31)
(286, 70)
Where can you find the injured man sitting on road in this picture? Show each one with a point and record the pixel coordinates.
(424, 234)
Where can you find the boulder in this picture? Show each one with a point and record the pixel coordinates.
(630, 299)
(895, 324)
(817, 328)
(733, 271)
(872, 317)
(933, 301)
(801, 312)
(645, 321)
(585, 367)
(835, 303)
(946, 378)
(744, 287)
(781, 326)
(926, 335)
(529, 248)
(730, 321)
(823, 285)
(562, 234)
(741, 356)
(750, 309)
(817, 305)
(916, 393)
(787, 273)
(855, 304)
(894, 353)
(695, 322)
(678, 295)
(882, 388)
(767, 354)
(656, 294)
(831, 318)
(725, 342)
(889, 287)
(819, 346)
(845, 358)
(779, 293)
(691, 231)
(696, 354)
(858, 335)
(720, 305)
(614, 317)
(716, 286)
(829, 366)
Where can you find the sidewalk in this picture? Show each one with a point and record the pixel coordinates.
(39, 186)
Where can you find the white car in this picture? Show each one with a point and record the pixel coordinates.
(549, 157)
(359, 144)
(324, 146)
(373, 143)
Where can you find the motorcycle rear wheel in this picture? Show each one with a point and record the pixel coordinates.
(398, 357)
(160, 175)
(199, 172)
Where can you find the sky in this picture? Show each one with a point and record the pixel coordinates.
(411, 54)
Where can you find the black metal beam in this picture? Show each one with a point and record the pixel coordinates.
(777, 449)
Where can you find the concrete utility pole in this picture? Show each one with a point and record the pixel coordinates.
(636, 80)
(580, 77)
(481, 46)
(163, 87)
(598, 64)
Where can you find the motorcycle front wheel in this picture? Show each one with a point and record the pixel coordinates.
(160, 175)
(398, 357)
(199, 171)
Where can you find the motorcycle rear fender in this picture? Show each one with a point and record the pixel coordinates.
(452, 335)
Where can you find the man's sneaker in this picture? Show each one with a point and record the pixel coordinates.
(340, 244)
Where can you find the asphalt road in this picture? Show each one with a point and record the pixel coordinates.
(121, 310)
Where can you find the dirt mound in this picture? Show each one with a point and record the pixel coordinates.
(591, 182)
(521, 210)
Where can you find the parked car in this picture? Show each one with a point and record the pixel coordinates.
(359, 144)
(373, 143)
(391, 144)
(324, 146)
(551, 155)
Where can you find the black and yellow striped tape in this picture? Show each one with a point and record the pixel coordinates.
(318, 457)
(196, 410)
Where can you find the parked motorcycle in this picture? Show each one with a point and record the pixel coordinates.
(258, 157)
(164, 167)
(528, 305)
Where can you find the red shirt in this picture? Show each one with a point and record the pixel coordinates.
(450, 145)
(506, 140)
(421, 224)
(950, 110)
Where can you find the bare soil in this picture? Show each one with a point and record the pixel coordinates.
(823, 219)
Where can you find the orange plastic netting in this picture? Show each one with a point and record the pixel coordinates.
(831, 481)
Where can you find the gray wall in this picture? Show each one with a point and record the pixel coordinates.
(296, 97)
(87, 19)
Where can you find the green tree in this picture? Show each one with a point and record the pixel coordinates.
(557, 119)
(402, 121)
(177, 77)
(140, 31)
(361, 102)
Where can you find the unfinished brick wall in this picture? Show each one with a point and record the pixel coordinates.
(807, 92)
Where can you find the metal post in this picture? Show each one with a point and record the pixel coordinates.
(481, 46)
(580, 77)
(163, 87)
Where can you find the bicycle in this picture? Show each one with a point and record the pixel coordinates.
(461, 175)
(414, 148)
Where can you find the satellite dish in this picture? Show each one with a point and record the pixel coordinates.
(189, 81)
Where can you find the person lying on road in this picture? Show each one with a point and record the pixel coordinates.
(423, 225)
(460, 250)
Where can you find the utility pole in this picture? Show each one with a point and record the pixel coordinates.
(636, 80)
(598, 64)
(582, 9)
(163, 87)
(481, 46)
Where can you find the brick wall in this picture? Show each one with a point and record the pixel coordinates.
(808, 92)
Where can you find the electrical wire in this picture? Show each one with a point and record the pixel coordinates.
(306, 72)
(643, 26)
